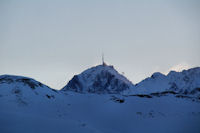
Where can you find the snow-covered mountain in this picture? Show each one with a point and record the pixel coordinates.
(28, 106)
(105, 79)
(24, 90)
(99, 79)
(185, 82)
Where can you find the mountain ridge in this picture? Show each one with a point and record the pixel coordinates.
(105, 79)
(181, 82)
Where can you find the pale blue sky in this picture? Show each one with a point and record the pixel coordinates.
(53, 40)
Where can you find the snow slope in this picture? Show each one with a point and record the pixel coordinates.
(102, 113)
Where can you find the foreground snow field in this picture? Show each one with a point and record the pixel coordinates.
(90, 113)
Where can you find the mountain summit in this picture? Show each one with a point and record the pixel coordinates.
(99, 79)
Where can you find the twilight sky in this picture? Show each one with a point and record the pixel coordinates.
(51, 41)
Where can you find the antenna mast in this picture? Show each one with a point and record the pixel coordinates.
(103, 63)
(102, 58)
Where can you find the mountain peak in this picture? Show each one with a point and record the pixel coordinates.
(21, 81)
(157, 75)
(99, 79)
(25, 89)
(181, 82)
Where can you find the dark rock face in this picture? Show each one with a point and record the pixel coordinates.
(106, 82)
(99, 79)
(6, 80)
(75, 84)
(173, 86)
(142, 96)
(117, 99)
(28, 82)
(196, 90)
(9, 79)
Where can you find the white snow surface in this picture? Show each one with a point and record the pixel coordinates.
(28, 106)
(99, 113)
